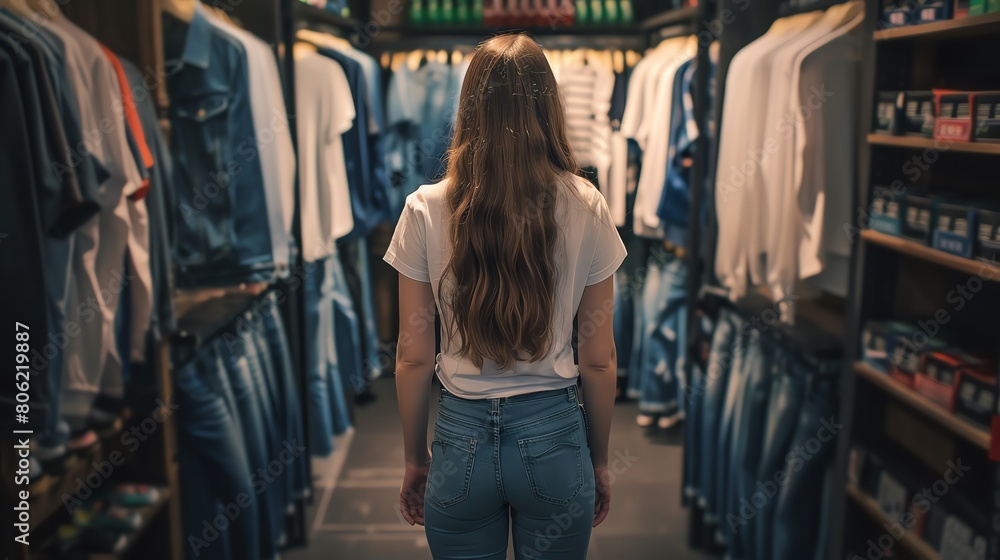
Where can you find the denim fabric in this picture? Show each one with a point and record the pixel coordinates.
(239, 364)
(319, 409)
(624, 312)
(357, 157)
(715, 387)
(222, 234)
(664, 337)
(693, 439)
(404, 102)
(348, 331)
(727, 423)
(752, 370)
(674, 200)
(749, 442)
(782, 417)
(281, 356)
(522, 460)
(214, 464)
(796, 522)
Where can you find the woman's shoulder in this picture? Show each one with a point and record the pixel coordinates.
(430, 195)
(582, 195)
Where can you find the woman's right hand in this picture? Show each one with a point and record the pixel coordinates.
(602, 494)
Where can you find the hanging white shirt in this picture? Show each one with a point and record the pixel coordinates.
(736, 206)
(325, 110)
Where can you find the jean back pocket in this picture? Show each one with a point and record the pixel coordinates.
(554, 463)
(452, 457)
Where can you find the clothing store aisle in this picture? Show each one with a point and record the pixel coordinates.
(359, 518)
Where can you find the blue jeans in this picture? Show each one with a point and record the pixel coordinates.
(714, 386)
(214, 465)
(727, 422)
(522, 460)
(664, 337)
(238, 359)
(782, 419)
(347, 323)
(281, 358)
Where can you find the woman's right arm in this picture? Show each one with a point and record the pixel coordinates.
(598, 371)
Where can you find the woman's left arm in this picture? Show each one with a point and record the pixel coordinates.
(414, 371)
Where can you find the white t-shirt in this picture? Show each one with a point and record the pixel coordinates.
(588, 251)
(325, 111)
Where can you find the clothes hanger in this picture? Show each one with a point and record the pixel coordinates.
(398, 59)
(323, 39)
(456, 57)
(632, 58)
(414, 59)
(302, 49)
(442, 57)
(618, 61)
(385, 59)
(223, 15)
(180, 9)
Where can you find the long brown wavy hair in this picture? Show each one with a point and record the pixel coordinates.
(509, 154)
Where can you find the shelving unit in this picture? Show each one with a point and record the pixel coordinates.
(920, 143)
(949, 29)
(672, 17)
(897, 278)
(970, 432)
(929, 254)
(914, 544)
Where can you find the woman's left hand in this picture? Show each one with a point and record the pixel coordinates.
(411, 495)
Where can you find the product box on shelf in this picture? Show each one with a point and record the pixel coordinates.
(987, 235)
(885, 212)
(889, 112)
(917, 212)
(976, 397)
(954, 228)
(875, 339)
(928, 11)
(905, 349)
(954, 121)
(987, 116)
(938, 376)
(919, 113)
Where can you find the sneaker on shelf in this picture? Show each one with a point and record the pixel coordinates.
(135, 495)
(645, 421)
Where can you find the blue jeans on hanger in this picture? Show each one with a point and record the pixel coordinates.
(348, 332)
(749, 442)
(221, 510)
(714, 387)
(742, 350)
(664, 337)
(239, 361)
(281, 355)
(782, 421)
(693, 439)
(797, 528)
(319, 409)
(521, 460)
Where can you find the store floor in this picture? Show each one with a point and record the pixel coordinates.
(355, 513)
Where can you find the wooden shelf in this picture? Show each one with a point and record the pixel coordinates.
(148, 514)
(305, 13)
(463, 30)
(672, 17)
(917, 546)
(912, 248)
(948, 29)
(925, 406)
(920, 142)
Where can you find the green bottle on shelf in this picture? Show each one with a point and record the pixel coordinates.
(417, 12)
(611, 13)
(597, 11)
(476, 14)
(448, 11)
(625, 14)
(433, 12)
(582, 12)
(462, 12)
